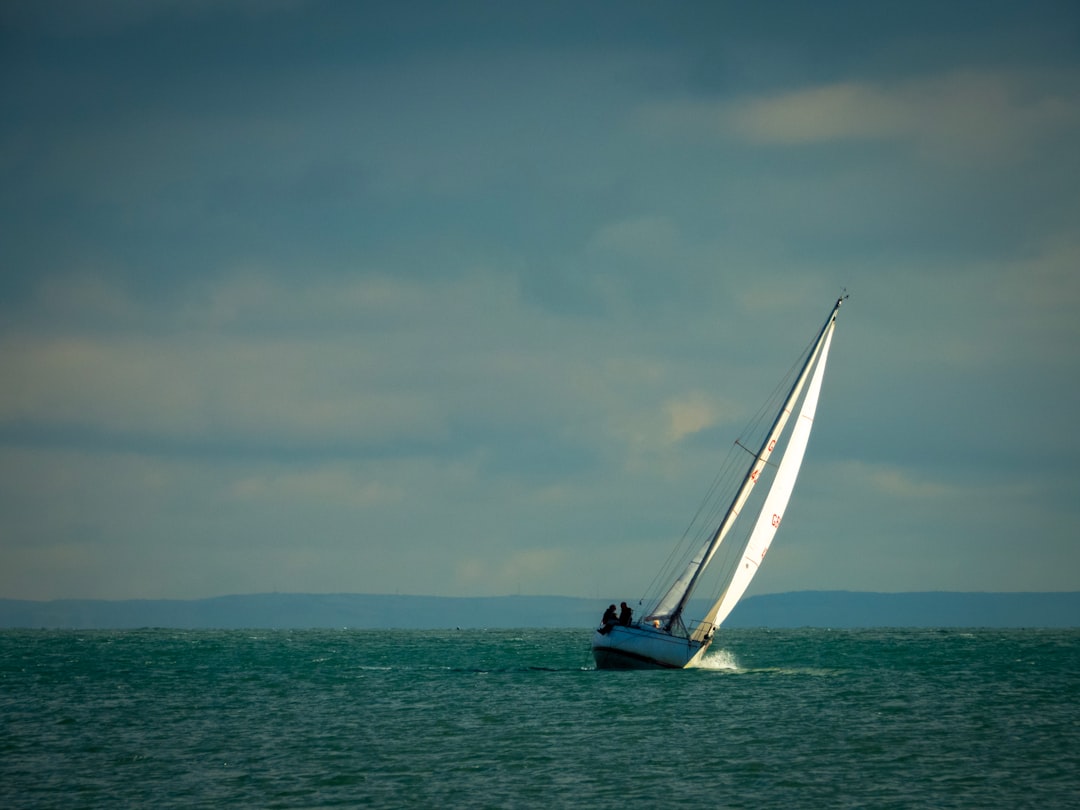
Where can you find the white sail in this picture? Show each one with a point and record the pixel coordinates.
(772, 511)
(669, 609)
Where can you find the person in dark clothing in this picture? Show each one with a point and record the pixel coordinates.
(625, 615)
(609, 620)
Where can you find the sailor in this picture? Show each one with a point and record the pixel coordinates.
(625, 615)
(609, 620)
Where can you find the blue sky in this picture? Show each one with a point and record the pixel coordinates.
(470, 299)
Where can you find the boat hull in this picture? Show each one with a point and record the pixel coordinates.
(638, 647)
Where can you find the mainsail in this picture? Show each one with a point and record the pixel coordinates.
(772, 511)
(668, 611)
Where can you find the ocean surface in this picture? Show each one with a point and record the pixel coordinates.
(521, 719)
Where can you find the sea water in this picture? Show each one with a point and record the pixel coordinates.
(521, 719)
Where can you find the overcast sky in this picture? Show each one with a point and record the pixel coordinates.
(471, 298)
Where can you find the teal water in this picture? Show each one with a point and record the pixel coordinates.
(383, 719)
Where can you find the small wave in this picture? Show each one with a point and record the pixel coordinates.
(718, 659)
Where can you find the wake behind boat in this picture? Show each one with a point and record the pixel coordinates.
(663, 639)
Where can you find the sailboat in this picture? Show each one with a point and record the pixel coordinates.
(663, 638)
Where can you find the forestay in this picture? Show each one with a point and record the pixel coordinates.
(668, 611)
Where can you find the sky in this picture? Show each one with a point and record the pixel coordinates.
(471, 298)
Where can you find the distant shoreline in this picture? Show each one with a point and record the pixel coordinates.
(832, 609)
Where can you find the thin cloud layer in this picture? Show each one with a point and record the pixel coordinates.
(965, 116)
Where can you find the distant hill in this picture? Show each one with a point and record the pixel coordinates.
(837, 609)
(924, 609)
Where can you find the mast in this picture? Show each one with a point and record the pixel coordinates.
(671, 606)
(772, 510)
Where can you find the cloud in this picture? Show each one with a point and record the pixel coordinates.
(971, 116)
(896, 483)
(655, 237)
(276, 391)
(332, 483)
(834, 112)
(504, 573)
(256, 359)
(250, 357)
(1040, 295)
(689, 416)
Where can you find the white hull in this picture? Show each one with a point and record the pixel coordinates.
(642, 647)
